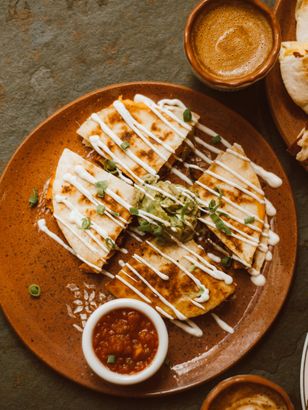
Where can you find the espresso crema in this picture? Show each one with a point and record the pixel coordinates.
(232, 39)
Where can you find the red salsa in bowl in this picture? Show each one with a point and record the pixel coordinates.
(125, 340)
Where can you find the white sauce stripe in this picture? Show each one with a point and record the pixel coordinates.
(178, 314)
(99, 145)
(270, 178)
(41, 223)
(137, 127)
(130, 286)
(155, 109)
(158, 272)
(222, 324)
(189, 327)
(120, 108)
(95, 117)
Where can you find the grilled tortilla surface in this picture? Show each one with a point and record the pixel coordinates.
(179, 289)
(87, 242)
(234, 172)
(171, 141)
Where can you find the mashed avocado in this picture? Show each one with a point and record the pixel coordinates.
(168, 202)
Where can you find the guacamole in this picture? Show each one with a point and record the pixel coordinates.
(168, 202)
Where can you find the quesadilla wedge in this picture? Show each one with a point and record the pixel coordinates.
(87, 208)
(301, 16)
(294, 71)
(179, 281)
(138, 136)
(233, 203)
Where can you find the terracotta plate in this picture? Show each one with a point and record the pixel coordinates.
(289, 118)
(30, 257)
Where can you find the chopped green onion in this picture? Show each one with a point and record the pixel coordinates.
(111, 359)
(192, 268)
(101, 187)
(110, 166)
(133, 211)
(114, 213)
(187, 117)
(33, 199)
(157, 230)
(212, 205)
(226, 261)
(100, 209)
(125, 145)
(216, 139)
(249, 220)
(34, 290)
(220, 225)
(110, 243)
(85, 223)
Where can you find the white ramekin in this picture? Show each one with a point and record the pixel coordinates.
(98, 367)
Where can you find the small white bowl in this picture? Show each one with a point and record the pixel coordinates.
(98, 367)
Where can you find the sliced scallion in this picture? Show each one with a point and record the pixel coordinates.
(34, 290)
(33, 199)
(187, 116)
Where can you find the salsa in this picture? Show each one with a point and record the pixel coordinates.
(125, 340)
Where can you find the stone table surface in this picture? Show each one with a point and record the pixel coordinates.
(53, 51)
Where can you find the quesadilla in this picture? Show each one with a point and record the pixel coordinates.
(294, 71)
(301, 16)
(88, 206)
(179, 281)
(138, 136)
(233, 203)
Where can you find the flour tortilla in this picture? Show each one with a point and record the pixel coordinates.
(294, 71)
(149, 120)
(179, 289)
(243, 168)
(301, 15)
(67, 163)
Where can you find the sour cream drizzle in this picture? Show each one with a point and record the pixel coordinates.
(137, 128)
(99, 145)
(178, 314)
(41, 223)
(205, 292)
(269, 177)
(189, 327)
(120, 108)
(158, 272)
(140, 294)
(73, 181)
(214, 257)
(67, 226)
(154, 108)
(222, 324)
(95, 117)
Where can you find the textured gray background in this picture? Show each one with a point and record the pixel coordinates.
(52, 51)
